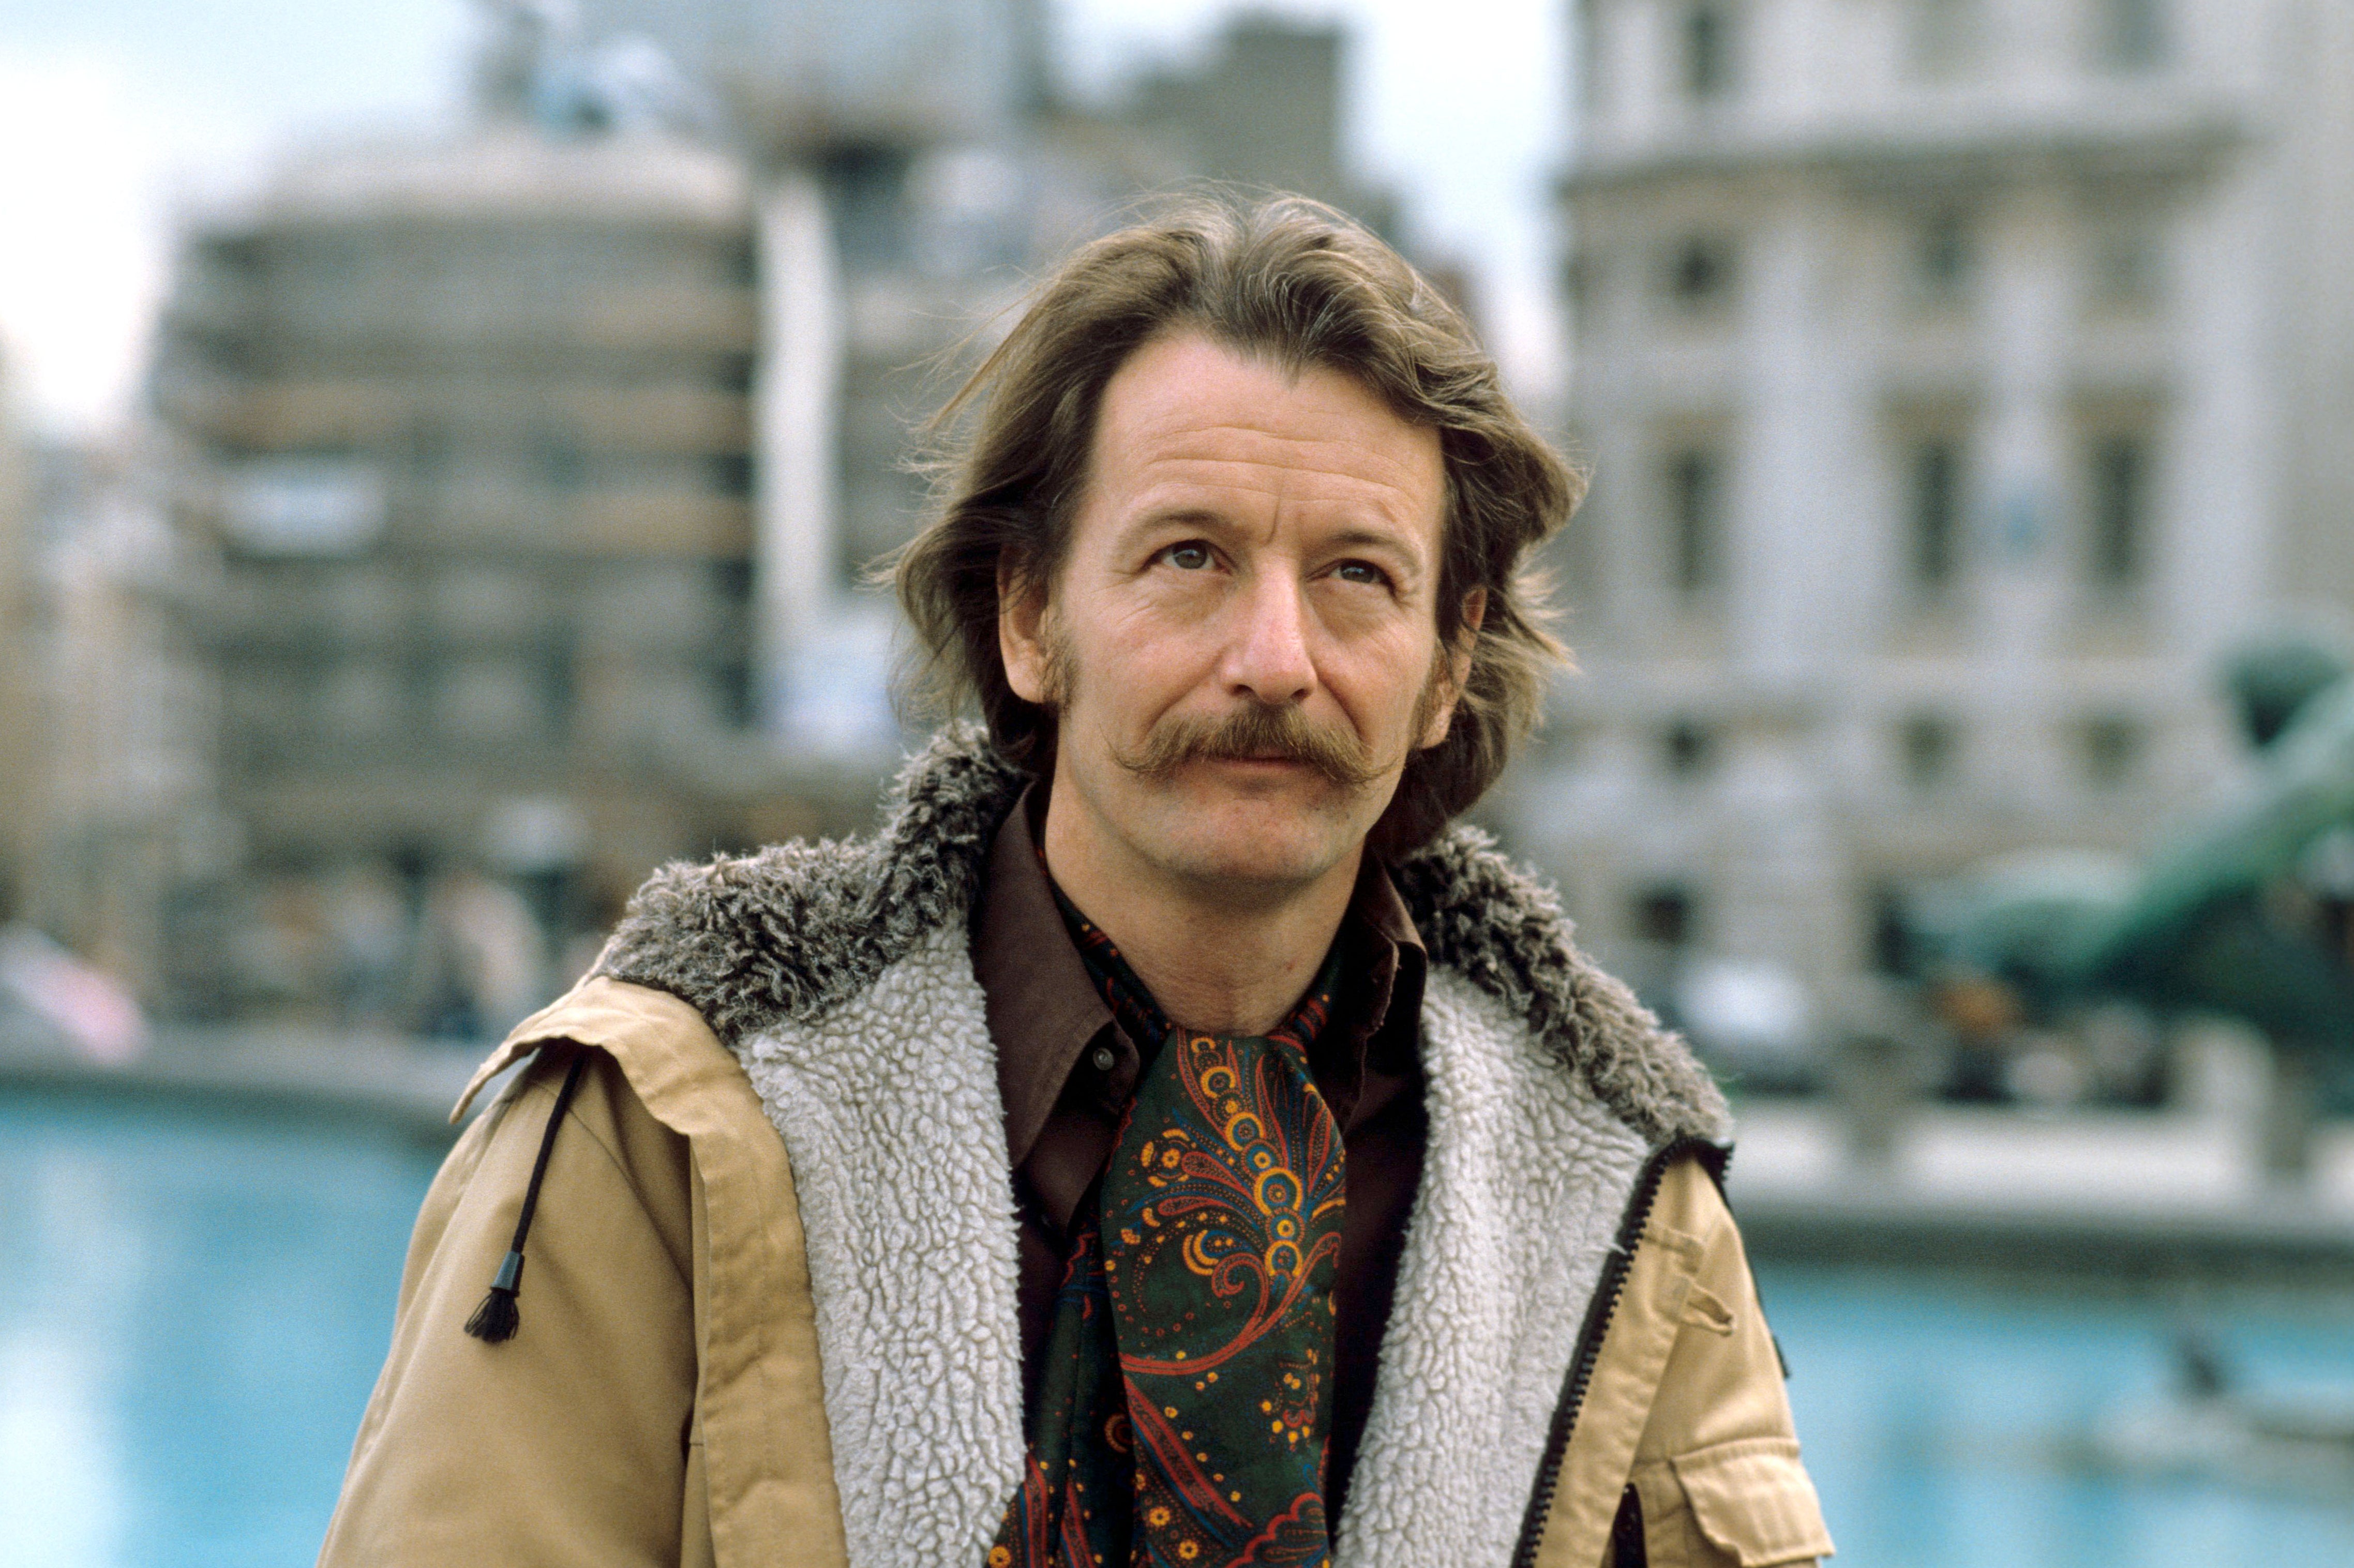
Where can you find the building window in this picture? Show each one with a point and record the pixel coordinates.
(1576, 556)
(1695, 503)
(423, 677)
(1664, 916)
(563, 466)
(731, 473)
(2112, 751)
(1946, 37)
(1890, 916)
(2132, 34)
(1700, 273)
(2125, 265)
(1688, 749)
(2118, 512)
(734, 690)
(1587, 42)
(429, 453)
(559, 684)
(1577, 277)
(1935, 546)
(1930, 749)
(1944, 255)
(739, 264)
(1708, 51)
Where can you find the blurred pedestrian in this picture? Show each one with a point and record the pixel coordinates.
(370, 927)
(481, 959)
(1165, 1142)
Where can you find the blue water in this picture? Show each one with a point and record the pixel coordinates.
(193, 1306)
(192, 1310)
(1942, 1419)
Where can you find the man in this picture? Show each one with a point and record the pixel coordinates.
(1163, 1143)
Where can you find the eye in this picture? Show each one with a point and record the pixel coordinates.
(1361, 572)
(1190, 557)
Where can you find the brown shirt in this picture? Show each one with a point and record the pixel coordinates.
(1065, 1071)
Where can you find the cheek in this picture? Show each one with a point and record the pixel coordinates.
(1379, 682)
(1132, 654)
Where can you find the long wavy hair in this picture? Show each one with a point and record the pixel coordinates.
(1294, 282)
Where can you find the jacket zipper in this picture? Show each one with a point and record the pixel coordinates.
(1598, 1313)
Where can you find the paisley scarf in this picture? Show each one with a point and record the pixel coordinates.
(1186, 1392)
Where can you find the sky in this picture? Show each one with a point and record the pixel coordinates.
(117, 115)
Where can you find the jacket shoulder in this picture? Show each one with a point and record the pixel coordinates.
(759, 1445)
(663, 1046)
(472, 1450)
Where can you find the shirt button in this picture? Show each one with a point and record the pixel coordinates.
(1104, 1059)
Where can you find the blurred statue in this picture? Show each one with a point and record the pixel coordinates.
(2272, 678)
(2253, 916)
(1995, 959)
(521, 40)
(534, 68)
(630, 83)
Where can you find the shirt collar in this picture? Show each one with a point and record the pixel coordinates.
(1043, 1011)
(1041, 1007)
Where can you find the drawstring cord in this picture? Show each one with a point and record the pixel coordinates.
(495, 1320)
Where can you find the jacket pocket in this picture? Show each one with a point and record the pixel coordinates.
(1753, 1502)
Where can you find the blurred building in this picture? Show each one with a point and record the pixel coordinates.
(467, 429)
(116, 754)
(1959, 378)
(19, 757)
(802, 77)
(1265, 112)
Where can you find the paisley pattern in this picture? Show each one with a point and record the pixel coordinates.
(1187, 1391)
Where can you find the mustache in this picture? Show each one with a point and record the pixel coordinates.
(1255, 733)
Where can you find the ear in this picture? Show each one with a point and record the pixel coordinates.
(1021, 631)
(1459, 668)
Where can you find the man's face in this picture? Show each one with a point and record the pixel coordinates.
(1243, 642)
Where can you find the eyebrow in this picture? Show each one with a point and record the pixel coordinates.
(1355, 536)
(1360, 539)
(1191, 516)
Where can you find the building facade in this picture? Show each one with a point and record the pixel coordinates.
(113, 754)
(463, 432)
(1960, 378)
(19, 717)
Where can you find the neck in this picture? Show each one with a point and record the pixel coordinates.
(1220, 958)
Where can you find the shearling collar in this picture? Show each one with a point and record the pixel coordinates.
(790, 932)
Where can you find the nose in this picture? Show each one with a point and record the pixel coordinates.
(1268, 658)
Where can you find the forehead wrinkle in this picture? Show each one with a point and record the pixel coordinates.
(1377, 509)
(1169, 439)
(1281, 472)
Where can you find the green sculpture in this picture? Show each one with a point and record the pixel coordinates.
(2249, 916)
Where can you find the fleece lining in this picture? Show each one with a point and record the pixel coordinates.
(1524, 1178)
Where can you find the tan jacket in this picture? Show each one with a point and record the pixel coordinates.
(665, 1401)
